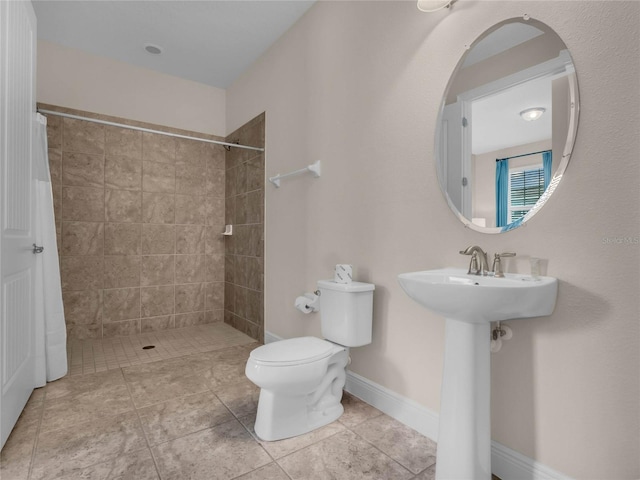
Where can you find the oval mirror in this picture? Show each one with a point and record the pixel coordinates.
(507, 125)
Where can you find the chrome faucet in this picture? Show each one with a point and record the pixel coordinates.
(478, 264)
(497, 264)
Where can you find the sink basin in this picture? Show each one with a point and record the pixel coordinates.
(469, 304)
(453, 293)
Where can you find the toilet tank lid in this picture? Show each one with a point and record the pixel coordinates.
(293, 351)
(346, 287)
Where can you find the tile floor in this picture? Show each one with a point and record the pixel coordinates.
(188, 414)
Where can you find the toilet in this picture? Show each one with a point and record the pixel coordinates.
(301, 379)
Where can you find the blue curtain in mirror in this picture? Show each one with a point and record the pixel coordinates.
(546, 166)
(502, 191)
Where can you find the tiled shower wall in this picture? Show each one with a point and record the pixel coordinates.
(244, 259)
(140, 218)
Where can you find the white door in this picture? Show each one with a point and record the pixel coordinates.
(17, 262)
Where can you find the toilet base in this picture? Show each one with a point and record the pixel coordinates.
(282, 416)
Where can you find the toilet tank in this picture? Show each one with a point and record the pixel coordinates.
(346, 312)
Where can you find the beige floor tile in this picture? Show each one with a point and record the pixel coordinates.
(86, 406)
(63, 451)
(182, 416)
(161, 388)
(427, 474)
(218, 453)
(342, 456)
(356, 411)
(403, 444)
(133, 466)
(75, 385)
(281, 448)
(268, 472)
(16, 454)
(241, 398)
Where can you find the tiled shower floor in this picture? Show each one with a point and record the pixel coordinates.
(185, 411)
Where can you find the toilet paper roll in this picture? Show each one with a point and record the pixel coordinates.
(302, 304)
(307, 303)
(343, 273)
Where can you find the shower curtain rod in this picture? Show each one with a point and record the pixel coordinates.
(148, 130)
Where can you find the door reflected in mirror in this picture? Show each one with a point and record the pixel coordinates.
(507, 125)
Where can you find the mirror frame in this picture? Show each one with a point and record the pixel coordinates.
(567, 150)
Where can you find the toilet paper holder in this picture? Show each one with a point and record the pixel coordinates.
(308, 303)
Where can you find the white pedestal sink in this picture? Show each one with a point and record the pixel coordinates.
(470, 303)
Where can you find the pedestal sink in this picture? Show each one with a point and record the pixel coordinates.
(470, 303)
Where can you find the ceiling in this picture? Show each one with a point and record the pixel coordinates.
(211, 42)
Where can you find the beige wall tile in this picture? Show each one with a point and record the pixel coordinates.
(82, 137)
(157, 300)
(158, 208)
(190, 239)
(123, 142)
(157, 270)
(54, 131)
(214, 299)
(215, 211)
(215, 268)
(83, 307)
(121, 304)
(123, 206)
(82, 238)
(187, 319)
(191, 152)
(215, 156)
(156, 324)
(121, 329)
(158, 148)
(55, 165)
(190, 268)
(190, 179)
(215, 182)
(83, 204)
(255, 307)
(121, 271)
(215, 241)
(82, 272)
(255, 173)
(83, 332)
(158, 239)
(255, 207)
(190, 209)
(213, 316)
(158, 177)
(190, 297)
(82, 169)
(123, 173)
(122, 238)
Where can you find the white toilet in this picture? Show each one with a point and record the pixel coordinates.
(301, 379)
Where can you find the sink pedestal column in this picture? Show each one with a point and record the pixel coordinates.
(464, 432)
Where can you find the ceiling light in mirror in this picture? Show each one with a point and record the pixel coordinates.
(531, 114)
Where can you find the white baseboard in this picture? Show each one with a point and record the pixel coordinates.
(505, 462)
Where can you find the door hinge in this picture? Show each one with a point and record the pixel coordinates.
(464, 121)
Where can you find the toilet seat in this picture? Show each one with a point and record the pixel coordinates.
(294, 351)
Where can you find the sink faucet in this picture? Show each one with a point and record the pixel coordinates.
(477, 256)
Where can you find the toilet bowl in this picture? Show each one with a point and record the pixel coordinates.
(301, 382)
(301, 379)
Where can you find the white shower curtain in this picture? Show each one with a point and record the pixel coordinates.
(50, 328)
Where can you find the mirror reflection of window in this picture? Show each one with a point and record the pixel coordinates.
(513, 93)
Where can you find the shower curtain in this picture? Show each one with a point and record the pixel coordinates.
(50, 327)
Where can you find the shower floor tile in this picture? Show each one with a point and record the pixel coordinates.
(186, 410)
(99, 355)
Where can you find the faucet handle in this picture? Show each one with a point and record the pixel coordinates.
(497, 265)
